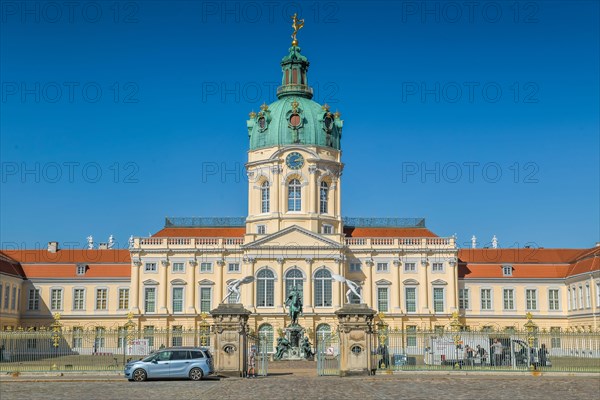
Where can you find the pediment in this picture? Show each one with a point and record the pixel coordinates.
(293, 236)
(205, 282)
(150, 282)
(439, 282)
(410, 282)
(383, 282)
(178, 282)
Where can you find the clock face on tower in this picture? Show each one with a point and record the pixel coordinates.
(294, 160)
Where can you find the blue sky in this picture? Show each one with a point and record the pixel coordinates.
(483, 120)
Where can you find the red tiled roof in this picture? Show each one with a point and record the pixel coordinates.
(201, 232)
(527, 263)
(10, 266)
(388, 232)
(67, 256)
(70, 271)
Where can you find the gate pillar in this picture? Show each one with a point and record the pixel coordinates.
(230, 331)
(355, 328)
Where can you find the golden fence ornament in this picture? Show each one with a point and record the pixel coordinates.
(56, 330)
(204, 328)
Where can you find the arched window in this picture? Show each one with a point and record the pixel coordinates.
(323, 195)
(323, 330)
(323, 288)
(265, 288)
(294, 195)
(266, 331)
(293, 278)
(264, 197)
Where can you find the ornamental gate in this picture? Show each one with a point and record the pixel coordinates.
(328, 354)
(257, 346)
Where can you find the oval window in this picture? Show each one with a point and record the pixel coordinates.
(328, 123)
(262, 122)
(295, 120)
(356, 349)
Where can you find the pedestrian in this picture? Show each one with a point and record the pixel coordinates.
(497, 350)
(252, 364)
(2, 352)
(543, 355)
(469, 354)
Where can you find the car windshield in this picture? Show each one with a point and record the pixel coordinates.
(149, 358)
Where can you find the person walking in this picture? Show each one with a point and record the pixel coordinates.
(497, 350)
(252, 364)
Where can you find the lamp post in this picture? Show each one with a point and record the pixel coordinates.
(455, 326)
(128, 337)
(530, 326)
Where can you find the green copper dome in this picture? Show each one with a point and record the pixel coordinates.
(294, 118)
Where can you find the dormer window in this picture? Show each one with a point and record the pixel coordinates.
(81, 269)
(507, 270)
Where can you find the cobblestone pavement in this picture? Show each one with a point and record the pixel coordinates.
(303, 386)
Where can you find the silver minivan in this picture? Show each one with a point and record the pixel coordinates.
(170, 363)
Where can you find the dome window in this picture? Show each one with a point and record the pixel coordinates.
(262, 123)
(295, 120)
(328, 121)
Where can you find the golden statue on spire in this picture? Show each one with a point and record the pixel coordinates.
(297, 24)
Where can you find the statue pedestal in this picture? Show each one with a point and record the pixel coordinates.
(229, 339)
(293, 334)
(356, 328)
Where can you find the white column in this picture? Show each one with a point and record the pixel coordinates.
(279, 293)
(309, 295)
(192, 288)
(135, 287)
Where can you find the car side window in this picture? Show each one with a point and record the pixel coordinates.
(163, 356)
(197, 354)
(179, 355)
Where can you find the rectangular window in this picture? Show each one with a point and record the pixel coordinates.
(177, 339)
(587, 296)
(410, 267)
(102, 299)
(81, 269)
(569, 305)
(56, 299)
(78, 299)
(355, 267)
(178, 267)
(597, 294)
(122, 337)
(411, 299)
(261, 229)
(463, 298)
(555, 337)
(574, 299)
(150, 300)
(486, 299)
(1, 291)
(507, 270)
(100, 339)
(327, 229)
(123, 299)
(205, 267)
(13, 300)
(77, 337)
(382, 267)
(509, 299)
(177, 299)
(438, 300)
(580, 298)
(149, 335)
(233, 267)
(382, 299)
(205, 299)
(411, 335)
(437, 267)
(531, 299)
(19, 298)
(6, 297)
(33, 301)
(553, 303)
(150, 267)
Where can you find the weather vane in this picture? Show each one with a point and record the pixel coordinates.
(297, 24)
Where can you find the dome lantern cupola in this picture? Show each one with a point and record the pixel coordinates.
(294, 67)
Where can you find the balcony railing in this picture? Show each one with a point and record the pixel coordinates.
(182, 243)
(448, 242)
(294, 89)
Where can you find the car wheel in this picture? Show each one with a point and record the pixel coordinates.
(196, 374)
(139, 375)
